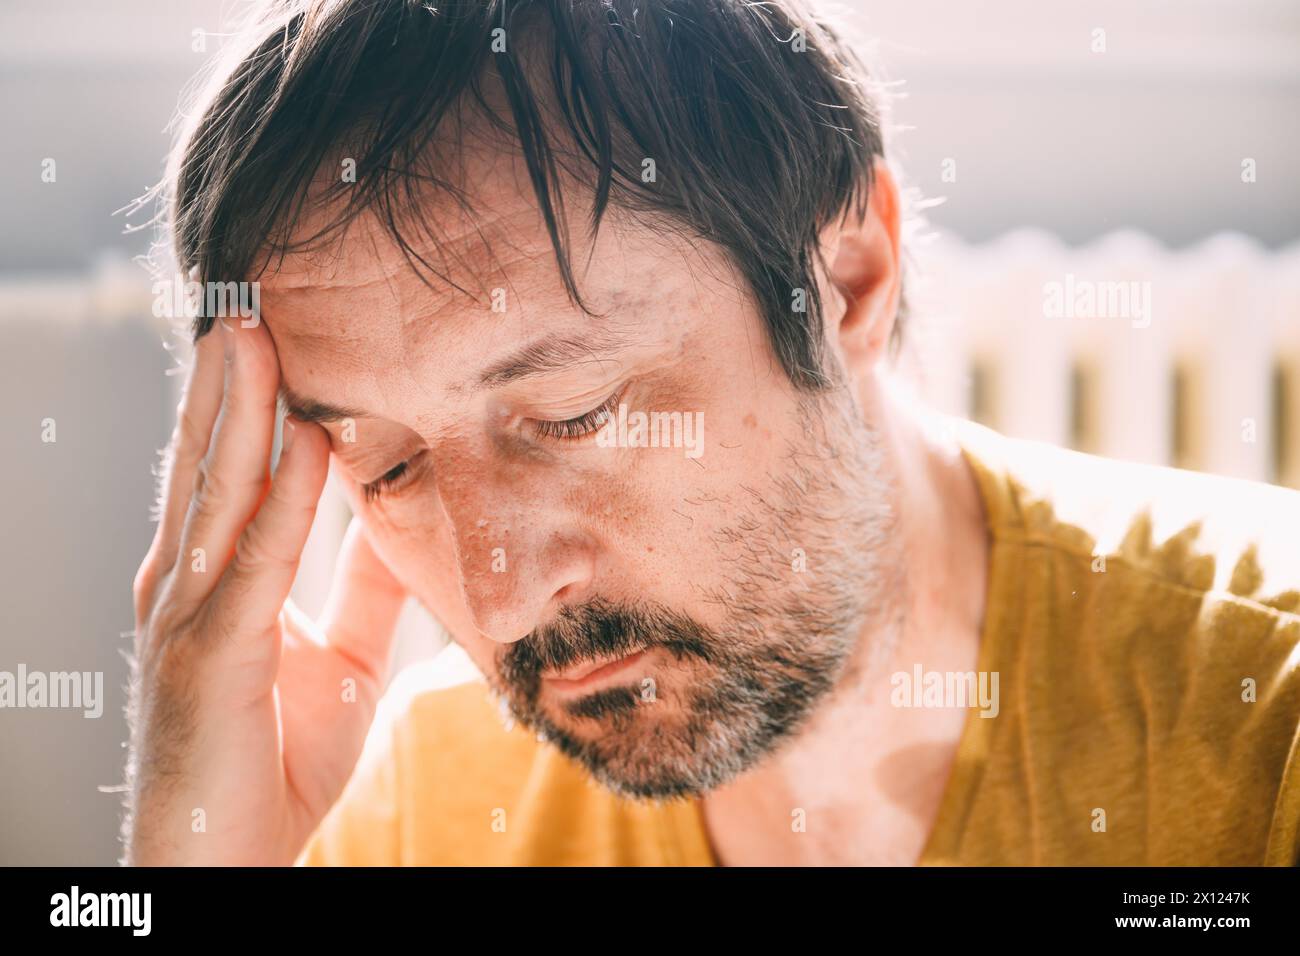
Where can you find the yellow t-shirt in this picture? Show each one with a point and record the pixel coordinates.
(1145, 626)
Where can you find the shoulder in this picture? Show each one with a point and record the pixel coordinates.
(1230, 537)
(436, 753)
(448, 779)
(1147, 620)
(447, 687)
(440, 722)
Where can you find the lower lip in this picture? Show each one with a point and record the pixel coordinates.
(603, 673)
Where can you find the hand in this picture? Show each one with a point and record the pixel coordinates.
(247, 717)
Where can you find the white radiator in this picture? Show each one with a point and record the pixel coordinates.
(1199, 368)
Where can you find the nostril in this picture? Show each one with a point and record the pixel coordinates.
(568, 594)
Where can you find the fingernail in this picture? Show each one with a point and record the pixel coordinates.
(286, 436)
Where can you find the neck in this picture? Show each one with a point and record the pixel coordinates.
(863, 781)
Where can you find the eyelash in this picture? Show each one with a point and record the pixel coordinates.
(376, 488)
(570, 429)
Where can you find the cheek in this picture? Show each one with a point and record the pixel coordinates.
(415, 543)
(674, 526)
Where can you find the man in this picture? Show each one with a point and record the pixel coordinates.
(592, 307)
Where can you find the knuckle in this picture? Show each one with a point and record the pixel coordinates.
(191, 437)
(209, 486)
(158, 660)
(165, 651)
(240, 401)
(289, 502)
(174, 661)
(216, 488)
(142, 587)
(218, 630)
(256, 549)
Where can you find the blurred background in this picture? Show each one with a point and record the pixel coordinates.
(1149, 146)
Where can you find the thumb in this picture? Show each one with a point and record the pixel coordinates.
(364, 604)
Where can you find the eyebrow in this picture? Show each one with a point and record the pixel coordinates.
(312, 410)
(553, 355)
(538, 358)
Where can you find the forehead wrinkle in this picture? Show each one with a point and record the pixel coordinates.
(458, 231)
(521, 262)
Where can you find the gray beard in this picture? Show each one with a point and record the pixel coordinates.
(812, 569)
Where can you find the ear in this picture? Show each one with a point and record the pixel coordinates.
(865, 267)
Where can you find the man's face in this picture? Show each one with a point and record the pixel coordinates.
(730, 577)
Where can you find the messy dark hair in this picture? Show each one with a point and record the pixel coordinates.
(756, 116)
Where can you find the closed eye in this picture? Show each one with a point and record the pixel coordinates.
(568, 429)
(572, 429)
(386, 481)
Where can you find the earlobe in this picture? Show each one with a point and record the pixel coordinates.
(866, 270)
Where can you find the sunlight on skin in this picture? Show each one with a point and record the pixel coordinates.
(359, 331)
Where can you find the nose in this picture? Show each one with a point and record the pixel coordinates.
(519, 551)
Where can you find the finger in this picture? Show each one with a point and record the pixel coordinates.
(232, 477)
(195, 416)
(255, 585)
(364, 604)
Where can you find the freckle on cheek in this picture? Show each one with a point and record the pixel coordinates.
(618, 502)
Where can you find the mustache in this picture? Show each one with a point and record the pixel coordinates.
(602, 629)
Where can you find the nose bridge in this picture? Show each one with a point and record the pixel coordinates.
(513, 546)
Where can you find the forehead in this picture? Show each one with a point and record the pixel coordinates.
(321, 295)
(354, 315)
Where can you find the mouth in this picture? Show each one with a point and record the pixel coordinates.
(591, 675)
